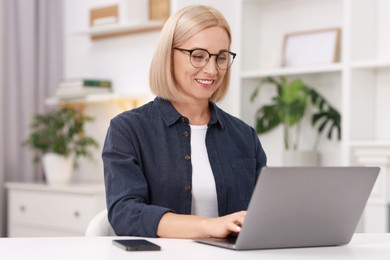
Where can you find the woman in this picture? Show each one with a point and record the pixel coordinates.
(179, 166)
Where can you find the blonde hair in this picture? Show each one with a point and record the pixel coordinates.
(180, 27)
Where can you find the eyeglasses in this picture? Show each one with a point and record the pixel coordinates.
(200, 57)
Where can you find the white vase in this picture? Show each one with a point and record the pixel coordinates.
(301, 158)
(58, 168)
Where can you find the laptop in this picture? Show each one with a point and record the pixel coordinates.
(303, 207)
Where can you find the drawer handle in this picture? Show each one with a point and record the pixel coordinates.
(76, 214)
(22, 208)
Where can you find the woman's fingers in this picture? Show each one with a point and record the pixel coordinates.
(237, 221)
(232, 223)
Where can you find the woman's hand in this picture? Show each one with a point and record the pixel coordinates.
(189, 226)
(223, 226)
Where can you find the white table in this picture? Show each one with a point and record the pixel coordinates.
(362, 246)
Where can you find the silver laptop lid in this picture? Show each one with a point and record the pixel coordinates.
(306, 206)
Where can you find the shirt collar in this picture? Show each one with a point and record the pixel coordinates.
(171, 116)
(216, 117)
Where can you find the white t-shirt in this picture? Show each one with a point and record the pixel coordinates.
(204, 193)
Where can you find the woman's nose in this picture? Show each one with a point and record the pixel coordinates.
(211, 66)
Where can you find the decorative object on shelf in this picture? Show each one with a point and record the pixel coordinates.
(137, 16)
(311, 48)
(288, 108)
(80, 88)
(159, 10)
(104, 15)
(301, 158)
(61, 132)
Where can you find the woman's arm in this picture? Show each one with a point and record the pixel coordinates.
(189, 226)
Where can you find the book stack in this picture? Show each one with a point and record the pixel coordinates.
(79, 88)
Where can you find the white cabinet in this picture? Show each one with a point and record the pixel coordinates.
(358, 85)
(377, 214)
(42, 210)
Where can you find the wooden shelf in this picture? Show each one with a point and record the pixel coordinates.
(288, 71)
(371, 64)
(370, 144)
(125, 102)
(114, 30)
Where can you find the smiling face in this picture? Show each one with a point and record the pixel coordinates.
(198, 84)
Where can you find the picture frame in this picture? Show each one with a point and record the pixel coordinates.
(103, 15)
(159, 10)
(317, 47)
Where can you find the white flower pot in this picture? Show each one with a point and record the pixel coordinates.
(58, 169)
(301, 158)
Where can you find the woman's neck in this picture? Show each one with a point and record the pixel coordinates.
(197, 113)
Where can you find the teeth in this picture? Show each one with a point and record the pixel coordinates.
(203, 81)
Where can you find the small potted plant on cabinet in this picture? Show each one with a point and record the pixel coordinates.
(288, 108)
(59, 140)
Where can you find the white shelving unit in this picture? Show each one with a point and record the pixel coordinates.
(358, 85)
(264, 23)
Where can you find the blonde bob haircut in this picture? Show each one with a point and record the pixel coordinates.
(180, 27)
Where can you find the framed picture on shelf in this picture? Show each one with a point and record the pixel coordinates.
(317, 47)
(159, 10)
(104, 15)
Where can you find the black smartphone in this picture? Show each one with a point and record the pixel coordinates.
(136, 245)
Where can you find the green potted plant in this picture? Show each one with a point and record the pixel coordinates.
(289, 106)
(59, 140)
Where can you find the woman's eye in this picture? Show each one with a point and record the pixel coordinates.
(198, 56)
(222, 58)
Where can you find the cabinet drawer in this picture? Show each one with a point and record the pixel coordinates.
(70, 212)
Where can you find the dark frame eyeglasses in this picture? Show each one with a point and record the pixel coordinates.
(201, 57)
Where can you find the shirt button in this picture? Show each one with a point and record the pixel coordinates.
(187, 157)
(185, 134)
(183, 119)
(187, 188)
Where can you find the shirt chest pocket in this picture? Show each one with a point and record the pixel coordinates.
(245, 176)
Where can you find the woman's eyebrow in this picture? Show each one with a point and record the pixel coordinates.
(199, 48)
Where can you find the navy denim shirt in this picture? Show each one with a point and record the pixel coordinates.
(147, 165)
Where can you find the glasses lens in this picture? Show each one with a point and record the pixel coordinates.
(224, 60)
(199, 58)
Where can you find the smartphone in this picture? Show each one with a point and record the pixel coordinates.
(136, 245)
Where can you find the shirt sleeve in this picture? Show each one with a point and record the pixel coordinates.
(127, 198)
